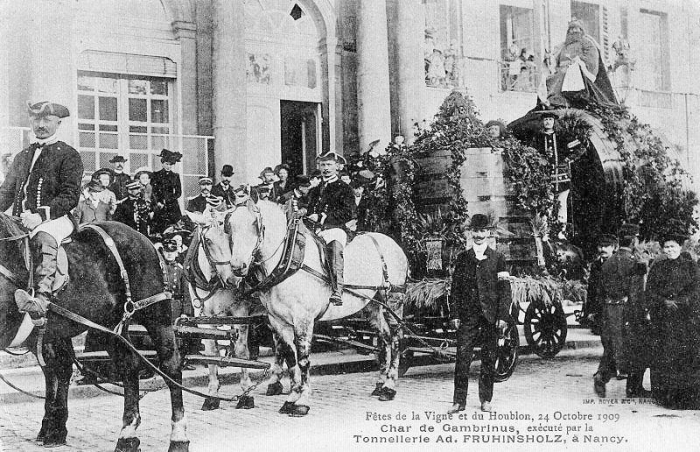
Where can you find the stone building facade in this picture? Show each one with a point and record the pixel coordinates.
(257, 82)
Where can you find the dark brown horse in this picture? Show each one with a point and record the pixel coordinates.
(95, 291)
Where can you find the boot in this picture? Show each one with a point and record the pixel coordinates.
(44, 275)
(336, 261)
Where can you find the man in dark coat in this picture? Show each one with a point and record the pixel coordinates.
(330, 205)
(224, 189)
(42, 188)
(617, 280)
(120, 178)
(167, 189)
(593, 309)
(199, 202)
(135, 211)
(296, 202)
(479, 309)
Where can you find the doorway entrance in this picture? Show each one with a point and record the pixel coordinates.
(300, 138)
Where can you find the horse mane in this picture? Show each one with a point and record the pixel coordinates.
(11, 226)
(269, 209)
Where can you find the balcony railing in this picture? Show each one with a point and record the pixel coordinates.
(141, 151)
(518, 76)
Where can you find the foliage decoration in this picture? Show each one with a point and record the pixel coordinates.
(655, 185)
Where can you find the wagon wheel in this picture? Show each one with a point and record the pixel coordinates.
(545, 328)
(507, 354)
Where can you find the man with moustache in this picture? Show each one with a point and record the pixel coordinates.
(479, 308)
(42, 188)
(330, 206)
(593, 308)
(205, 199)
(118, 185)
(224, 189)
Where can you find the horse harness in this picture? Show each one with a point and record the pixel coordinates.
(292, 260)
(130, 307)
(194, 273)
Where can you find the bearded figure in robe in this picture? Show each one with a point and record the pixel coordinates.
(580, 77)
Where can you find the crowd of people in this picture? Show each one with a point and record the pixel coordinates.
(647, 312)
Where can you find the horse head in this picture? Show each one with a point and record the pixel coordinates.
(215, 245)
(13, 276)
(246, 229)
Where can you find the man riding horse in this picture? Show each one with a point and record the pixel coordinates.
(42, 187)
(330, 205)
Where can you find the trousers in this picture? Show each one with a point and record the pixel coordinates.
(469, 334)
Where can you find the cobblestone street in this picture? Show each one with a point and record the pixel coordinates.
(542, 395)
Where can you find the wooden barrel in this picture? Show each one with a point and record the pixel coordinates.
(486, 192)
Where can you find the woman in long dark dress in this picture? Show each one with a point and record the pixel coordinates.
(672, 295)
(167, 190)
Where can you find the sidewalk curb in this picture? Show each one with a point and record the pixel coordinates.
(348, 361)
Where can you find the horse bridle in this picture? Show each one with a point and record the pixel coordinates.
(213, 263)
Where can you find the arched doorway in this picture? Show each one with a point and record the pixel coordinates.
(285, 89)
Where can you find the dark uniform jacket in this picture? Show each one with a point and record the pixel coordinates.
(197, 204)
(118, 186)
(177, 285)
(595, 297)
(336, 200)
(616, 275)
(476, 289)
(226, 193)
(166, 190)
(53, 187)
(135, 213)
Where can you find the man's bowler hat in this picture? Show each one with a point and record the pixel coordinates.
(227, 170)
(302, 180)
(117, 158)
(479, 221)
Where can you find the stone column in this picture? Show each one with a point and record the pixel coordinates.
(229, 80)
(186, 33)
(373, 101)
(409, 59)
(51, 59)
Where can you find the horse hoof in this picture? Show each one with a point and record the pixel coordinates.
(287, 408)
(179, 446)
(128, 445)
(245, 402)
(274, 389)
(377, 390)
(210, 404)
(387, 394)
(299, 411)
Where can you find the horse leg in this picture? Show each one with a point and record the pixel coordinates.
(211, 348)
(59, 368)
(389, 332)
(274, 385)
(303, 336)
(171, 365)
(240, 349)
(128, 365)
(285, 335)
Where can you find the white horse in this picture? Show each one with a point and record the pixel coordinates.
(213, 296)
(375, 267)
